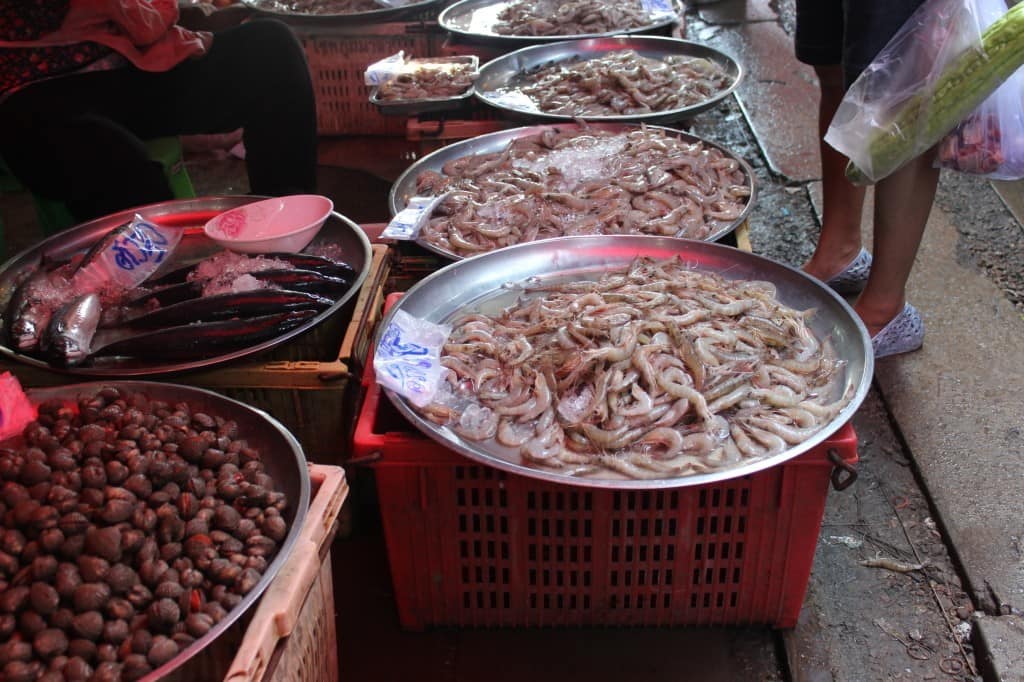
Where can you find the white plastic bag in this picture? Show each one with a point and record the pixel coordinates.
(886, 118)
(126, 256)
(990, 141)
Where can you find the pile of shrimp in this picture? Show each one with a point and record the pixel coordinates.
(657, 370)
(570, 17)
(623, 83)
(325, 6)
(425, 80)
(583, 181)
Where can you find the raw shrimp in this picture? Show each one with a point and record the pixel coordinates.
(598, 377)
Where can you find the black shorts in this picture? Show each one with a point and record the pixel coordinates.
(849, 33)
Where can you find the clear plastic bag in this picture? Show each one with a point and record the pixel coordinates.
(990, 141)
(891, 113)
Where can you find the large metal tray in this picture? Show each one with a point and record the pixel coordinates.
(404, 188)
(267, 7)
(191, 215)
(283, 460)
(465, 285)
(505, 73)
(471, 19)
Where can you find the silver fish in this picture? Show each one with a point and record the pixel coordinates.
(69, 335)
(32, 306)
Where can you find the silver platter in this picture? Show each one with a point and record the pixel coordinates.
(503, 74)
(411, 107)
(404, 188)
(466, 285)
(283, 460)
(269, 8)
(194, 246)
(473, 20)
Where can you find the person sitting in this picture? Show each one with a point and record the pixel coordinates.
(83, 83)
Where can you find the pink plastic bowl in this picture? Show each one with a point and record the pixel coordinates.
(282, 224)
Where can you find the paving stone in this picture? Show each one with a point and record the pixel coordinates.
(737, 12)
(957, 402)
(1003, 638)
(859, 622)
(779, 98)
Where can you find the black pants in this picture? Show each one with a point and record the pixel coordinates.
(79, 138)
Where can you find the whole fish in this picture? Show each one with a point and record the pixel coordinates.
(69, 335)
(225, 306)
(197, 341)
(309, 281)
(33, 304)
(305, 280)
(300, 261)
(165, 295)
(325, 266)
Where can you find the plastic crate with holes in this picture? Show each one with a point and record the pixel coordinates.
(338, 57)
(292, 633)
(472, 546)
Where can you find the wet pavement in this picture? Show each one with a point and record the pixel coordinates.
(919, 568)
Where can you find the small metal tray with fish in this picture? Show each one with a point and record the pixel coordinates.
(404, 188)
(488, 284)
(309, 12)
(173, 322)
(500, 79)
(475, 20)
(424, 105)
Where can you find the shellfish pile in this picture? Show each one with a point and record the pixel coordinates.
(657, 370)
(570, 17)
(582, 180)
(428, 80)
(621, 83)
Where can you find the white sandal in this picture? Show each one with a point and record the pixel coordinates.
(904, 334)
(852, 278)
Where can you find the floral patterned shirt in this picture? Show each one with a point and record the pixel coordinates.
(30, 20)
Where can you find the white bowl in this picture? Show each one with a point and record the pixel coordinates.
(282, 224)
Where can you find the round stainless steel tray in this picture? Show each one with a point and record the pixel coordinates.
(505, 73)
(283, 460)
(467, 284)
(267, 7)
(404, 188)
(190, 214)
(474, 19)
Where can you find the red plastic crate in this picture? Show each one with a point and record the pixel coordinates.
(338, 57)
(473, 546)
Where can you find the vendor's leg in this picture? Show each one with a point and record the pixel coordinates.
(903, 201)
(255, 77)
(839, 241)
(820, 29)
(92, 164)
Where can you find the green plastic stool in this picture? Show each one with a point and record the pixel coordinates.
(54, 215)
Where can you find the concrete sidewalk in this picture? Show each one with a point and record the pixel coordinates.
(956, 405)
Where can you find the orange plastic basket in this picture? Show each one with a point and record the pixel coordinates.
(469, 545)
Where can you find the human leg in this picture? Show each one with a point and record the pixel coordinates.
(254, 77)
(819, 42)
(91, 163)
(903, 201)
(839, 241)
